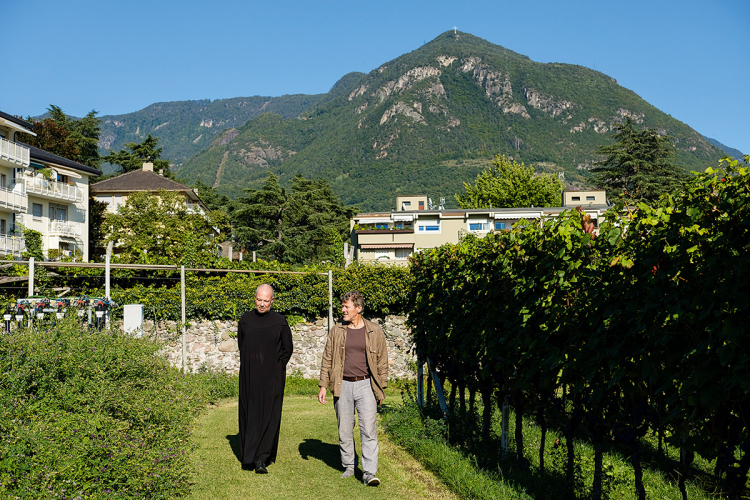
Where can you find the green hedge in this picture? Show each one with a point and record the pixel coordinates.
(226, 297)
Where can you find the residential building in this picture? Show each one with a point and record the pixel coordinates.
(391, 237)
(115, 191)
(41, 191)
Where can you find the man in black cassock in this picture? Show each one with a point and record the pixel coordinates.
(265, 343)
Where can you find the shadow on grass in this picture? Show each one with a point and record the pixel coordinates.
(325, 452)
(234, 442)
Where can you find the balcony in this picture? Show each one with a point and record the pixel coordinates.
(14, 153)
(46, 188)
(68, 229)
(11, 245)
(13, 198)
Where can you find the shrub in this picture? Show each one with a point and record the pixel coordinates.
(90, 414)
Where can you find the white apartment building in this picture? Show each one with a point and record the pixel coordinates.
(43, 192)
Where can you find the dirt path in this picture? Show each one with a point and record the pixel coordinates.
(308, 465)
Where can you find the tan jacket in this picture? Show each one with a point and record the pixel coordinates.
(332, 367)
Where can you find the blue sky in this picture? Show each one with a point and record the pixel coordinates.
(689, 58)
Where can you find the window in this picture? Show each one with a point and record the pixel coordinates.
(104, 199)
(576, 198)
(62, 178)
(3, 226)
(421, 205)
(58, 213)
(403, 253)
(381, 225)
(118, 201)
(499, 226)
(382, 253)
(590, 198)
(405, 205)
(429, 227)
(479, 226)
(36, 210)
(3, 181)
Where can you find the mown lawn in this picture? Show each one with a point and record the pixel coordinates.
(308, 464)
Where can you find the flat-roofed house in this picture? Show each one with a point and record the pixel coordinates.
(391, 237)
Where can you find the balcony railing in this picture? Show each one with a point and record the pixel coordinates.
(14, 152)
(11, 245)
(59, 228)
(13, 198)
(53, 189)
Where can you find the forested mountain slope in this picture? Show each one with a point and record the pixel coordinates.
(432, 119)
(186, 127)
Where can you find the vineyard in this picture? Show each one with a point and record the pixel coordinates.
(630, 336)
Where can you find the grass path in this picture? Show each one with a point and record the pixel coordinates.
(308, 464)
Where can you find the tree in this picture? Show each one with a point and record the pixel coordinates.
(97, 212)
(508, 184)
(138, 154)
(307, 224)
(639, 164)
(74, 139)
(159, 229)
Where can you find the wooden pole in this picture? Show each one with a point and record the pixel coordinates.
(184, 330)
(420, 383)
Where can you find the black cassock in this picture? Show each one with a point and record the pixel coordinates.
(265, 343)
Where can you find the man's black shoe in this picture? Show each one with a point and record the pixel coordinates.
(248, 467)
(260, 468)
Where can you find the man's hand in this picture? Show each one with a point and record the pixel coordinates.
(322, 396)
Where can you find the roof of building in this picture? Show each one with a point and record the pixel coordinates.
(17, 121)
(46, 156)
(141, 180)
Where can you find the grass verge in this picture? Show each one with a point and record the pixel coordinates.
(476, 469)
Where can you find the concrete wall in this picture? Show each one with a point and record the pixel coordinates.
(211, 344)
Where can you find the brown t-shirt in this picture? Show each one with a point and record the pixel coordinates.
(355, 357)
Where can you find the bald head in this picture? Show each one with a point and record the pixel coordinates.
(263, 298)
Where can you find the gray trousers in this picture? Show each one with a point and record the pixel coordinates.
(358, 396)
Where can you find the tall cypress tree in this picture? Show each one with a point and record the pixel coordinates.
(639, 164)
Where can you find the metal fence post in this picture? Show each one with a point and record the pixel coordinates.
(31, 276)
(184, 330)
(330, 299)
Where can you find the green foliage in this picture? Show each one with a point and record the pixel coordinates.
(95, 415)
(160, 229)
(305, 225)
(509, 184)
(186, 127)
(306, 295)
(97, 212)
(138, 154)
(33, 242)
(639, 164)
(71, 138)
(635, 329)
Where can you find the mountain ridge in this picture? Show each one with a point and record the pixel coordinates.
(431, 119)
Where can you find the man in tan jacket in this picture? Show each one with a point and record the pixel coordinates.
(355, 369)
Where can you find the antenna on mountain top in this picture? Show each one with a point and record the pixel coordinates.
(454, 30)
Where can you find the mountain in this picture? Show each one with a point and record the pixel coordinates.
(186, 127)
(734, 153)
(431, 119)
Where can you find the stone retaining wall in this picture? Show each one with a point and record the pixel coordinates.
(213, 345)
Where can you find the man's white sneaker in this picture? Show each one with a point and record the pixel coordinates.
(370, 479)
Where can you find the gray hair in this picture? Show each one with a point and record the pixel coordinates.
(357, 299)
